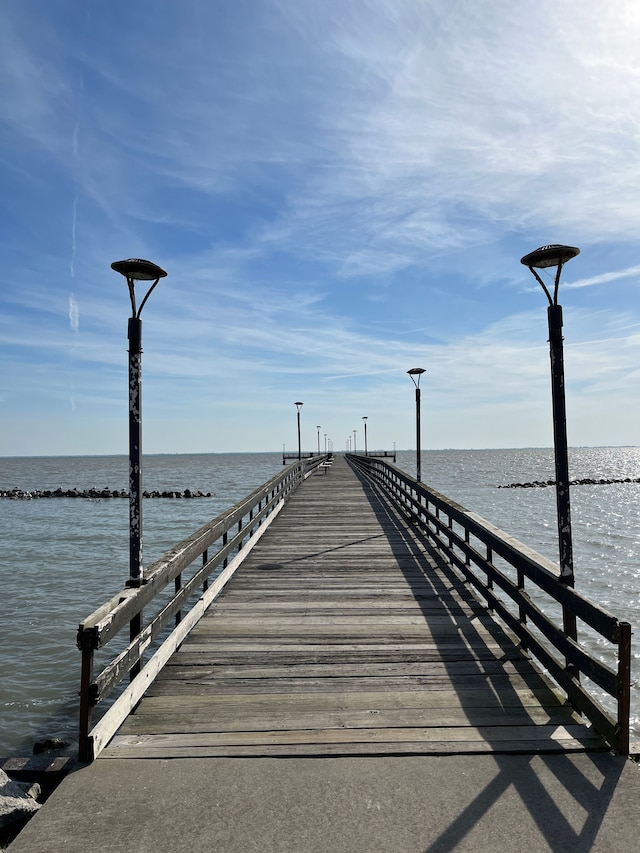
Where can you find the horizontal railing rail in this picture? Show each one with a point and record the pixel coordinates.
(288, 456)
(472, 546)
(221, 546)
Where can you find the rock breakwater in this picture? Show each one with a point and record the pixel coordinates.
(587, 481)
(17, 494)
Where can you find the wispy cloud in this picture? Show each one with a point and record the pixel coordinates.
(603, 278)
(74, 314)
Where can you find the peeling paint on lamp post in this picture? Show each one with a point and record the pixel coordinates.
(136, 269)
(556, 256)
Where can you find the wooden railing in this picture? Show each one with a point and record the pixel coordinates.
(517, 584)
(220, 546)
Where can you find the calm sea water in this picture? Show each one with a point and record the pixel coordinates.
(62, 558)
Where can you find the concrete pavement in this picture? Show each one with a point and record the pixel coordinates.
(404, 804)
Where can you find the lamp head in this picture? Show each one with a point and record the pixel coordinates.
(553, 255)
(138, 269)
(415, 373)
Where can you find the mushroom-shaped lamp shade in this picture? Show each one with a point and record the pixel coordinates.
(138, 269)
(550, 256)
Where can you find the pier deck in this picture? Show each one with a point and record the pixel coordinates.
(343, 634)
(345, 693)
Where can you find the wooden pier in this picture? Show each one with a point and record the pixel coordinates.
(348, 661)
(344, 632)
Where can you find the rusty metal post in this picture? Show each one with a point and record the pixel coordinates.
(135, 450)
(136, 269)
(556, 255)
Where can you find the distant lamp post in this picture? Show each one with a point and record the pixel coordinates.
(318, 428)
(354, 441)
(136, 269)
(557, 256)
(415, 373)
(325, 442)
(364, 421)
(298, 406)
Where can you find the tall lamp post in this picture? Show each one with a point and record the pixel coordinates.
(354, 441)
(318, 428)
(298, 406)
(415, 373)
(136, 269)
(364, 421)
(556, 256)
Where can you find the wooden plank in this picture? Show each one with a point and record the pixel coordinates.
(490, 738)
(187, 702)
(164, 750)
(230, 720)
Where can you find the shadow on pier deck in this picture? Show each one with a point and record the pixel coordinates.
(346, 692)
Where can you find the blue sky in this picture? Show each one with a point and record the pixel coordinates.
(339, 191)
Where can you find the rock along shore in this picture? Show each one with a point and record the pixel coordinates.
(17, 494)
(588, 481)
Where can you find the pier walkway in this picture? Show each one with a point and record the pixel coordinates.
(341, 634)
(346, 692)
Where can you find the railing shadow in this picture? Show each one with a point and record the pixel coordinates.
(530, 775)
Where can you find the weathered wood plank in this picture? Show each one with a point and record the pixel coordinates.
(492, 738)
(230, 720)
(268, 692)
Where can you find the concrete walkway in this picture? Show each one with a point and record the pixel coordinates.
(409, 804)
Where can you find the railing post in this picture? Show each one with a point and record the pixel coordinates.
(624, 687)
(86, 701)
(177, 586)
(489, 578)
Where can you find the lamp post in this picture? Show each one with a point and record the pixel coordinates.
(364, 421)
(413, 373)
(318, 428)
(556, 256)
(354, 441)
(136, 269)
(325, 442)
(298, 406)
